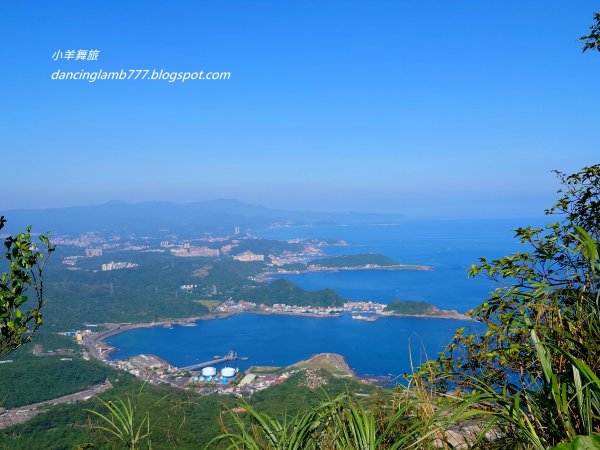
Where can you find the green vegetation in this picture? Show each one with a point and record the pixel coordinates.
(181, 420)
(33, 378)
(72, 305)
(25, 264)
(361, 260)
(293, 396)
(299, 267)
(529, 381)
(264, 369)
(210, 304)
(535, 368)
(266, 247)
(229, 276)
(592, 40)
(409, 307)
(342, 422)
(123, 422)
(177, 419)
(147, 293)
(332, 363)
(284, 291)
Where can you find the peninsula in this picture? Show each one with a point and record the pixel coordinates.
(363, 261)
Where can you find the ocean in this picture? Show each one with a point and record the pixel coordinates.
(382, 348)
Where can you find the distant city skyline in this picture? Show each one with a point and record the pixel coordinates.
(431, 109)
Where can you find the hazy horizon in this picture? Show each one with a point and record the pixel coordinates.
(436, 215)
(329, 107)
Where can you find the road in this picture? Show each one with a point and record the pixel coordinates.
(24, 413)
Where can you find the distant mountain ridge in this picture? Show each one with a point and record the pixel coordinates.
(194, 217)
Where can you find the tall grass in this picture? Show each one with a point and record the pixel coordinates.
(347, 424)
(124, 422)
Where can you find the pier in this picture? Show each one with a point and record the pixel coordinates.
(231, 356)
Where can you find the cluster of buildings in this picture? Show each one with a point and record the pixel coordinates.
(313, 379)
(188, 287)
(71, 260)
(288, 257)
(135, 248)
(77, 335)
(85, 240)
(226, 249)
(118, 265)
(90, 252)
(248, 257)
(325, 311)
(365, 306)
(248, 385)
(231, 306)
(210, 375)
(209, 380)
(188, 250)
(152, 369)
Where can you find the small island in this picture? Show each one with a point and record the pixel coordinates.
(420, 309)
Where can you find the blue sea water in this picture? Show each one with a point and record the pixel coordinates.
(449, 246)
(380, 348)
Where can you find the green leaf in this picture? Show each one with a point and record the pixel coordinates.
(591, 442)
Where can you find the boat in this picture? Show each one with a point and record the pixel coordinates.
(367, 318)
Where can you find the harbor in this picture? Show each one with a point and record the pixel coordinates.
(231, 356)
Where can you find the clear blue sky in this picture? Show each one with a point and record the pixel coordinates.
(431, 108)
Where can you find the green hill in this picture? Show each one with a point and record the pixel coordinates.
(179, 419)
(360, 260)
(284, 291)
(410, 307)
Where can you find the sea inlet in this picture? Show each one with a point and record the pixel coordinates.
(373, 349)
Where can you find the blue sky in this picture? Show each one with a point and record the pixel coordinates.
(431, 108)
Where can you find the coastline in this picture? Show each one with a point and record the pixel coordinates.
(101, 349)
(268, 276)
(290, 313)
(116, 328)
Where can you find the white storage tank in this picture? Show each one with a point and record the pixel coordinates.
(209, 372)
(228, 372)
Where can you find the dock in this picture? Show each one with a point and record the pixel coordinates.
(231, 356)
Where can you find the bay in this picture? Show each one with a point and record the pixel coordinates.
(378, 348)
(381, 348)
